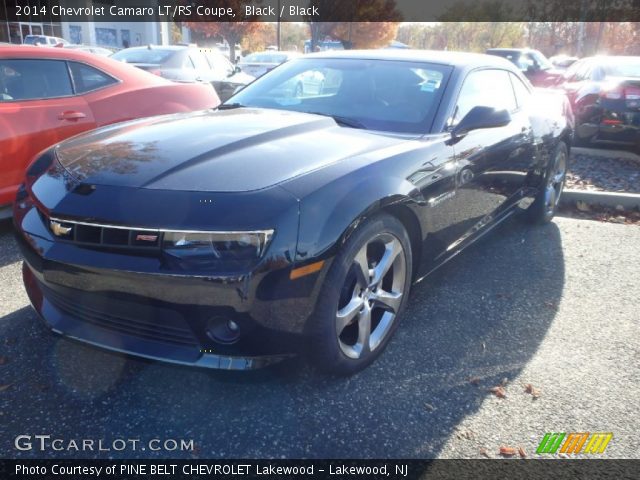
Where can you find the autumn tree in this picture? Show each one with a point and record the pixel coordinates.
(232, 32)
(350, 14)
(293, 35)
(263, 36)
(365, 34)
(464, 36)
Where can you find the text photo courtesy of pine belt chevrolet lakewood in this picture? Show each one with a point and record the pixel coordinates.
(278, 224)
(50, 94)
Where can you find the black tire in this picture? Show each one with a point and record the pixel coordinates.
(330, 350)
(544, 207)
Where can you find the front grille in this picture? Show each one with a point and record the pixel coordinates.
(139, 320)
(106, 236)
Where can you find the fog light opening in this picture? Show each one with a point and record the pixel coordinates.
(223, 330)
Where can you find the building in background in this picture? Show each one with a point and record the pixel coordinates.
(88, 31)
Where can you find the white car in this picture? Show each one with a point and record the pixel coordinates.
(45, 40)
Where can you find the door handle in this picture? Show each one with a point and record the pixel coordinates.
(71, 116)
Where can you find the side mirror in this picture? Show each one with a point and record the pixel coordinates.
(237, 69)
(481, 117)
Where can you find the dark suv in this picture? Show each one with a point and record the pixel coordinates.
(535, 66)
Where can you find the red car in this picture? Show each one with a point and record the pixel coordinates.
(604, 92)
(50, 94)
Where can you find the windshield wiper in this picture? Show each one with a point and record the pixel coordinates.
(230, 106)
(346, 121)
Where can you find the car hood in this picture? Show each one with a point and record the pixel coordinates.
(239, 78)
(214, 151)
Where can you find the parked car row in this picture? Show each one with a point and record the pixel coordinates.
(181, 63)
(604, 92)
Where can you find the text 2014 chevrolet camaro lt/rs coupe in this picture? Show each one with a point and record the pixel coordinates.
(286, 222)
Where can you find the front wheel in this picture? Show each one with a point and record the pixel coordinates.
(362, 298)
(545, 205)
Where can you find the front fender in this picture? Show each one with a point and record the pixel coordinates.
(329, 215)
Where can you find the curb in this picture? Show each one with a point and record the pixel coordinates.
(629, 201)
(609, 154)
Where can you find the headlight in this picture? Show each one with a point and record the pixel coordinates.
(216, 250)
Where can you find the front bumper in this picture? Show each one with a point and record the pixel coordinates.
(146, 331)
(128, 303)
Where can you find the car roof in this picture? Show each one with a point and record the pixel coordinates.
(613, 58)
(511, 50)
(454, 59)
(121, 70)
(162, 47)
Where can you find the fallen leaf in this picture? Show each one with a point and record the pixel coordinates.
(522, 453)
(429, 407)
(583, 206)
(483, 451)
(3, 360)
(4, 387)
(535, 392)
(507, 451)
(498, 392)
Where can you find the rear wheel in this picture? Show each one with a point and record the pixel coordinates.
(363, 296)
(545, 205)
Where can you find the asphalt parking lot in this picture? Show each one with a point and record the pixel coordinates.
(554, 306)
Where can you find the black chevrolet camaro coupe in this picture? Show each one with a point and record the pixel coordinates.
(285, 223)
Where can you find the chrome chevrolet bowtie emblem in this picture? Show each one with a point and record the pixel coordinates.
(59, 229)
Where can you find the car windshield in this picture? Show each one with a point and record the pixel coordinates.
(383, 95)
(624, 67)
(265, 58)
(33, 39)
(143, 55)
(542, 61)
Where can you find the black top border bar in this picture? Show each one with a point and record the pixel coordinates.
(322, 10)
(392, 469)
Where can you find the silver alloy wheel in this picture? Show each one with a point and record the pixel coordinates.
(374, 291)
(555, 182)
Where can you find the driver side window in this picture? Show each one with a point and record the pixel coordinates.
(490, 88)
